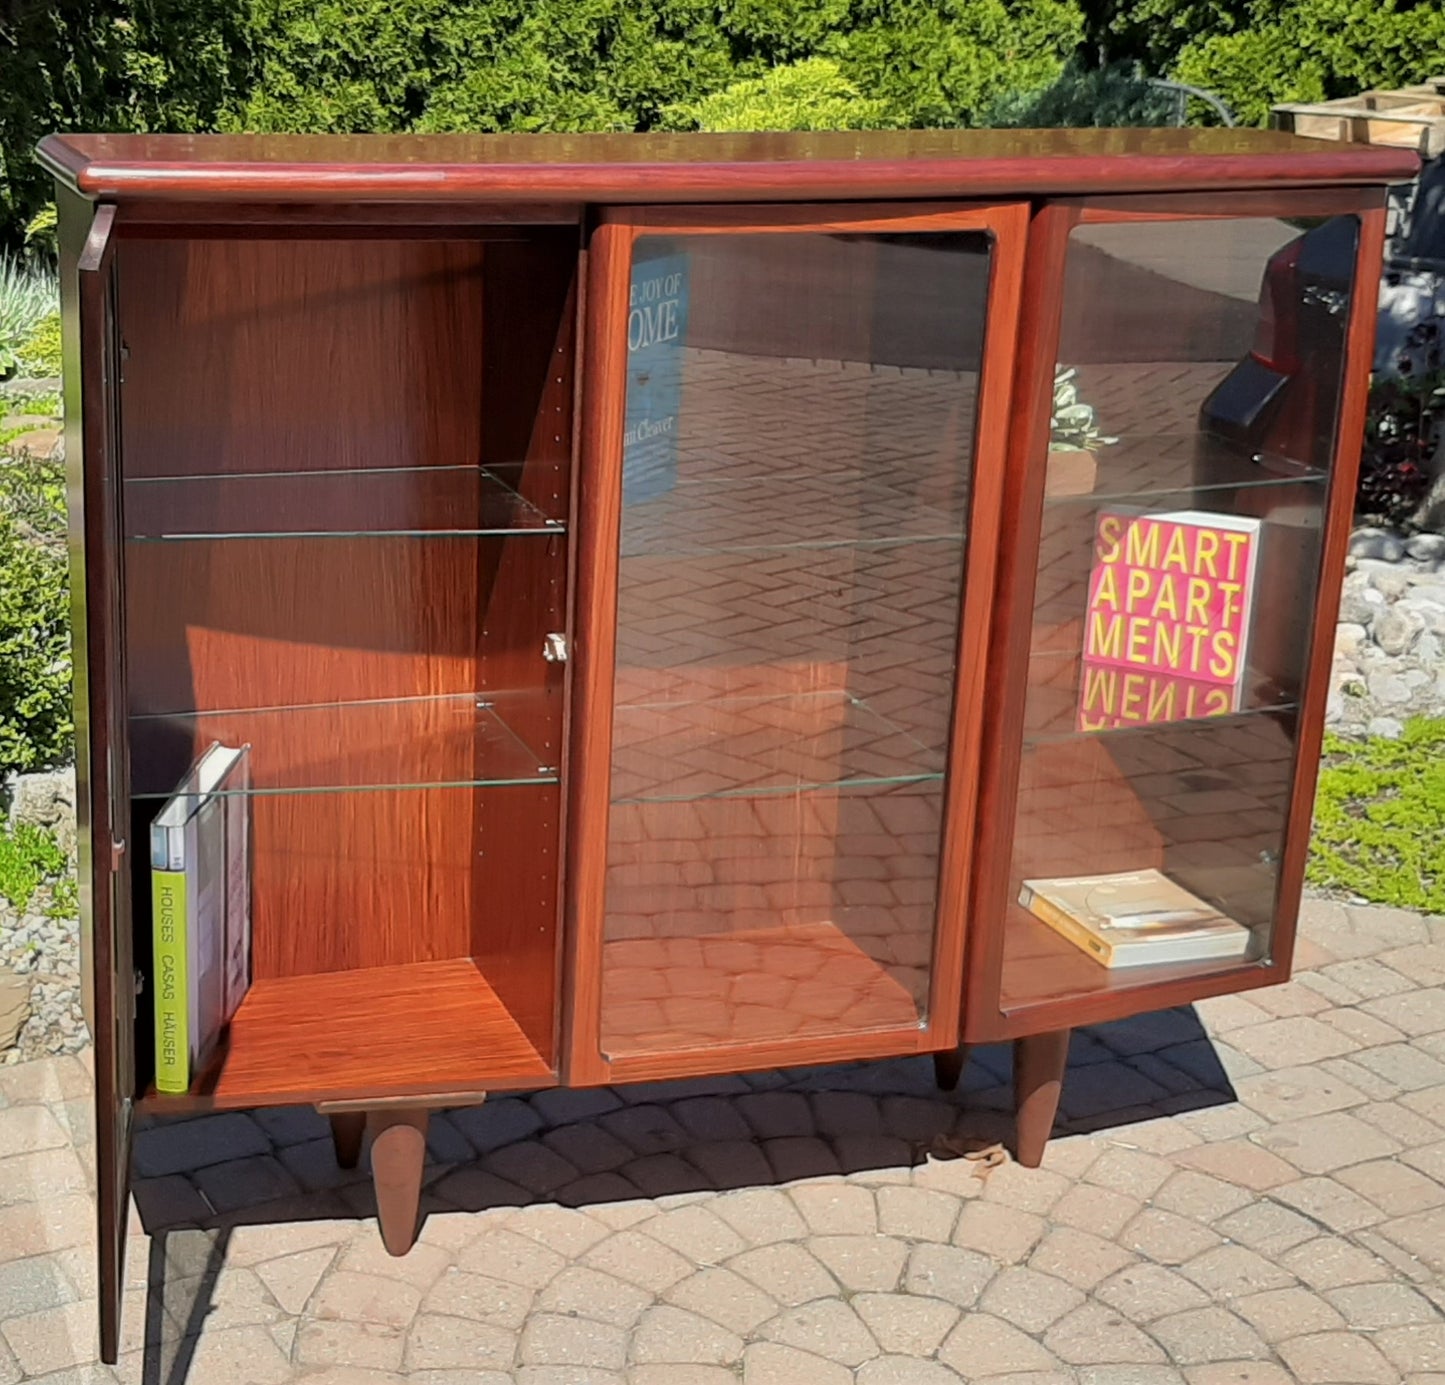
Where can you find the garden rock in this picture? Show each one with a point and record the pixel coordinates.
(1426, 547)
(14, 1008)
(1396, 629)
(47, 800)
(1377, 543)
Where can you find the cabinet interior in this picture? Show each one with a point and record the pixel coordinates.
(346, 476)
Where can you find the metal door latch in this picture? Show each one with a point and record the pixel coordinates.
(554, 648)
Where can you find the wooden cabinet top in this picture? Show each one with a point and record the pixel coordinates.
(662, 167)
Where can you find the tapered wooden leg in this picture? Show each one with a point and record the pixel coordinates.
(948, 1067)
(398, 1152)
(347, 1129)
(1039, 1062)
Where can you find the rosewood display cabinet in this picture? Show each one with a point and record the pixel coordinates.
(664, 581)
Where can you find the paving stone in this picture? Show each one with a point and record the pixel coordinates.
(1329, 1202)
(730, 1163)
(800, 1156)
(1321, 1144)
(588, 1147)
(905, 1370)
(1422, 963)
(1028, 1299)
(1078, 1257)
(247, 1182)
(1207, 1334)
(1240, 1373)
(496, 1123)
(1400, 1123)
(646, 1129)
(1343, 1357)
(551, 1339)
(1405, 1065)
(1127, 1375)
(1225, 1012)
(563, 1106)
(917, 1118)
(771, 1363)
(195, 1144)
(565, 1230)
(1297, 1093)
(672, 1373)
(861, 1262)
(34, 1228)
(368, 1346)
(1289, 1043)
(1413, 1012)
(1002, 1232)
(46, 1080)
(982, 1345)
(28, 1130)
(1145, 1292)
(847, 1113)
(696, 1233)
(1280, 1313)
(502, 1253)
(1026, 1190)
(947, 1272)
(1239, 1161)
(584, 1292)
(442, 1343)
(785, 1271)
(477, 1190)
(366, 1298)
(1267, 1227)
(773, 1114)
(531, 1165)
(1397, 1189)
(917, 1214)
(1130, 1171)
(661, 1176)
(42, 1174)
(1370, 1307)
(1100, 1211)
(479, 1298)
(669, 1333)
(836, 1208)
(1106, 1088)
(1233, 1271)
(1201, 1196)
(761, 1216)
(292, 1279)
(1415, 1349)
(725, 1297)
(1330, 1262)
(52, 1339)
(1291, 999)
(826, 1327)
(32, 1285)
(239, 1356)
(906, 1325)
(1366, 979)
(638, 1259)
(1092, 1334)
(1166, 1236)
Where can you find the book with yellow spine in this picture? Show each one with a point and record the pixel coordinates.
(1132, 918)
(199, 913)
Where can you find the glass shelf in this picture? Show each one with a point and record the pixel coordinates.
(455, 741)
(733, 747)
(1152, 467)
(395, 502)
(848, 508)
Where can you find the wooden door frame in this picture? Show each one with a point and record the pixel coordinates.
(598, 515)
(985, 1019)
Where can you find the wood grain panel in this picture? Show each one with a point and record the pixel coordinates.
(665, 167)
(427, 1028)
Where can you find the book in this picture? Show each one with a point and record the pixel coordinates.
(200, 912)
(1131, 918)
(1166, 630)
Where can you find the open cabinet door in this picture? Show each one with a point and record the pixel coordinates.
(92, 384)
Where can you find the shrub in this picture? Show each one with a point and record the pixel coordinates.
(27, 296)
(39, 354)
(1379, 829)
(35, 707)
(809, 95)
(29, 858)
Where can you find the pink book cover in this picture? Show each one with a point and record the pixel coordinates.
(1166, 632)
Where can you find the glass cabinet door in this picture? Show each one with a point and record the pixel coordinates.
(1196, 405)
(798, 468)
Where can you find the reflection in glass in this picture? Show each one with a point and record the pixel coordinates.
(1178, 567)
(795, 492)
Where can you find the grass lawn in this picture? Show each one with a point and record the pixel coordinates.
(1380, 818)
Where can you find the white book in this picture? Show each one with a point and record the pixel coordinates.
(200, 895)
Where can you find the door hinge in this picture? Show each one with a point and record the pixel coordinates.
(140, 981)
(117, 850)
(554, 648)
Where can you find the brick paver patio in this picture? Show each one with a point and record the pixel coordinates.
(1249, 1192)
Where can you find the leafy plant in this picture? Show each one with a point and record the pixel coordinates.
(39, 355)
(1079, 96)
(29, 858)
(1379, 829)
(27, 296)
(1072, 426)
(809, 95)
(35, 709)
